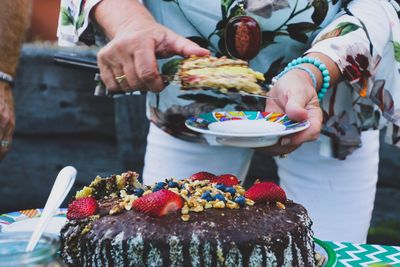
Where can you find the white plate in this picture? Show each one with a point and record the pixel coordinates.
(244, 128)
(54, 227)
(26, 220)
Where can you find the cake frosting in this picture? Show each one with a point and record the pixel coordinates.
(251, 233)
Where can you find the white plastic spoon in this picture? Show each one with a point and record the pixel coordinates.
(64, 181)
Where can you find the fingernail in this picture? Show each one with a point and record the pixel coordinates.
(286, 142)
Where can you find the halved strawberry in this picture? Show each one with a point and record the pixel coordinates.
(265, 192)
(159, 203)
(82, 208)
(202, 176)
(226, 179)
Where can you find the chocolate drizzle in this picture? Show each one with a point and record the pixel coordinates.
(263, 235)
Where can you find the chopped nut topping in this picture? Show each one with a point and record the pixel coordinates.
(128, 201)
(185, 217)
(232, 205)
(280, 205)
(117, 208)
(208, 205)
(198, 208)
(85, 192)
(249, 202)
(185, 210)
(197, 195)
(320, 259)
(219, 205)
(87, 228)
(147, 192)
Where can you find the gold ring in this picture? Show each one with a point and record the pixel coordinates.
(4, 144)
(120, 79)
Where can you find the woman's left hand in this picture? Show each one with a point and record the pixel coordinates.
(296, 96)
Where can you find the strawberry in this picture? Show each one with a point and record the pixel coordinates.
(226, 179)
(202, 176)
(82, 208)
(266, 191)
(159, 203)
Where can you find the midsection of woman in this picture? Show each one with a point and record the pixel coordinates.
(362, 40)
(288, 27)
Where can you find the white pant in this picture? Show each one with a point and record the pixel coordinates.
(168, 157)
(339, 195)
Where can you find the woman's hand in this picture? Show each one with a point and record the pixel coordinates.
(296, 97)
(7, 118)
(136, 41)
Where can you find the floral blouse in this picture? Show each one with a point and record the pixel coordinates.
(361, 36)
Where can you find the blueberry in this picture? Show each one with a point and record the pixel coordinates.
(158, 186)
(172, 184)
(130, 190)
(241, 200)
(161, 184)
(220, 187)
(230, 190)
(138, 192)
(207, 196)
(219, 197)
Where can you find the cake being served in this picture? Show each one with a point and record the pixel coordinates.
(224, 74)
(205, 220)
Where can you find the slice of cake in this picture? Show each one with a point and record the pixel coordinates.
(204, 220)
(225, 74)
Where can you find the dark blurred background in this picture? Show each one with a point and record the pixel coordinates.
(60, 122)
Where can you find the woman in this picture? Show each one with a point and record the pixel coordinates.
(358, 43)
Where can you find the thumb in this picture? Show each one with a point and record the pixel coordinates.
(184, 47)
(296, 106)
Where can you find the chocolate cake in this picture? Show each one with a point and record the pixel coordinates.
(257, 227)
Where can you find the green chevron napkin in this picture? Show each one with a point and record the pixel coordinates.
(353, 255)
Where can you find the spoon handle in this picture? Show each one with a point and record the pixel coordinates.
(64, 181)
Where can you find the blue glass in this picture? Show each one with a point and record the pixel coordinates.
(12, 250)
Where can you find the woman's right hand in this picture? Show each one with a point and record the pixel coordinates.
(133, 50)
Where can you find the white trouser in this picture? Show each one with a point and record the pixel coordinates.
(339, 195)
(167, 157)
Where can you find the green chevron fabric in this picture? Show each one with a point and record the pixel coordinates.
(352, 255)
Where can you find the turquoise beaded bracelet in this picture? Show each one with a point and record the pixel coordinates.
(301, 60)
(309, 72)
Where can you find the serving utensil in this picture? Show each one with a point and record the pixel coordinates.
(101, 90)
(62, 185)
(242, 93)
(73, 59)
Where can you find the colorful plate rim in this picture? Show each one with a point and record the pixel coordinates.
(200, 122)
(332, 257)
(16, 216)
